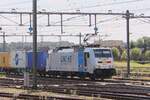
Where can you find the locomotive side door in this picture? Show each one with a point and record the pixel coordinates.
(86, 60)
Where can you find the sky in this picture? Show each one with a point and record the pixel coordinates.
(109, 27)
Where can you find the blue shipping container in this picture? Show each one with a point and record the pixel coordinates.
(41, 60)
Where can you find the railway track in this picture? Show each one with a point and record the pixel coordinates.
(114, 80)
(107, 89)
(35, 97)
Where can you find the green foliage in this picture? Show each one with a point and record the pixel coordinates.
(133, 64)
(2, 74)
(124, 55)
(147, 55)
(143, 42)
(133, 44)
(146, 43)
(140, 43)
(135, 53)
(116, 53)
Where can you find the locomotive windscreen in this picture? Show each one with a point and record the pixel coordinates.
(105, 53)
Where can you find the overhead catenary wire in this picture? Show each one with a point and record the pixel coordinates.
(107, 20)
(68, 19)
(16, 3)
(9, 19)
(141, 9)
(148, 22)
(54, 24)
(67, 25)
(106, 4)
(32, 19)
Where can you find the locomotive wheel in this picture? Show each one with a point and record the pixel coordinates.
(92, 77)
(102, 79)
(82, 77)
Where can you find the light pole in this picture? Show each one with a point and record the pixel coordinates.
(128, 43)
(34, 43)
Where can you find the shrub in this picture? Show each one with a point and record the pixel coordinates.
(147, 55)
(135, 53)
(116, 53)
(124, 55)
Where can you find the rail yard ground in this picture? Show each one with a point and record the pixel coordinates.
(7, 93)
(75, 89)
(136, 87)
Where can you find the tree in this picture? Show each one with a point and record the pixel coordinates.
(144, 43)
(124, 55)
(116, 53)
(140, 43)
(133, 44)
(147, 55)
(135, 53)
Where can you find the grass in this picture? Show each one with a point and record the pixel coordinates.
(132, 63)
(2, 74)
(135, 67)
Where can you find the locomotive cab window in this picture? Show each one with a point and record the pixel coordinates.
(106, 53)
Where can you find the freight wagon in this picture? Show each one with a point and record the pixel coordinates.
(4, 60)
(13, 61)
(19, 61)
(41, 61)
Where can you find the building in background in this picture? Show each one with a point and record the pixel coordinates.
(111, 43)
